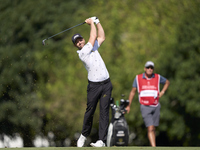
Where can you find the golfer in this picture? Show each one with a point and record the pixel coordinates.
(147, 85)
(99, 84)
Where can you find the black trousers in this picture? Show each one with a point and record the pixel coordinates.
(98, 91)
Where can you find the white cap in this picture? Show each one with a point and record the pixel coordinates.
(149, 63)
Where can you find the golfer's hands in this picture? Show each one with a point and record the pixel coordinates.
(95, 20)
(89, 21)
(128, 109)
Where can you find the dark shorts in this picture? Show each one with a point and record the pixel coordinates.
(150, 115)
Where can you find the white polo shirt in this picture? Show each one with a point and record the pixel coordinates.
(93, 62)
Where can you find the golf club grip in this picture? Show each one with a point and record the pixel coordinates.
(83, 23)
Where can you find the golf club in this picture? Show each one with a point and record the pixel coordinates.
(43, 42)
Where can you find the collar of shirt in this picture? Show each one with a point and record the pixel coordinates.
(78, 51)
(153, 76)
(95, 47)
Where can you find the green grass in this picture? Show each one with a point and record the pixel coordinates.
(105, 148)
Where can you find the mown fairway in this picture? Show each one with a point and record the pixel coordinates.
(106, 148)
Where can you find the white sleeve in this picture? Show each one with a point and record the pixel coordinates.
(85, 50)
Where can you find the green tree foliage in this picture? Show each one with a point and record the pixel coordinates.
(21, 108)
(183, 71)
(43, 88)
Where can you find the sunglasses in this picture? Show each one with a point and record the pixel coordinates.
(150, 67)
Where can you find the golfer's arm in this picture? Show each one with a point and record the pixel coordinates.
(101, 34)
(93, 34)
(131, 95)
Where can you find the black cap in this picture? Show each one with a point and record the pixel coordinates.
(75, 36)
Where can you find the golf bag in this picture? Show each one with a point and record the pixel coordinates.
(118, 131)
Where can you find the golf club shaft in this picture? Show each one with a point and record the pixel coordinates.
(43, 42)
(65, 30)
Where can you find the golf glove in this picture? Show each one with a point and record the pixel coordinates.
(95, 20)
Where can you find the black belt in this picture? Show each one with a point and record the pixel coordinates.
(102, 82)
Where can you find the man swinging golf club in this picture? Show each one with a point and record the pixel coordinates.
(99, 84)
